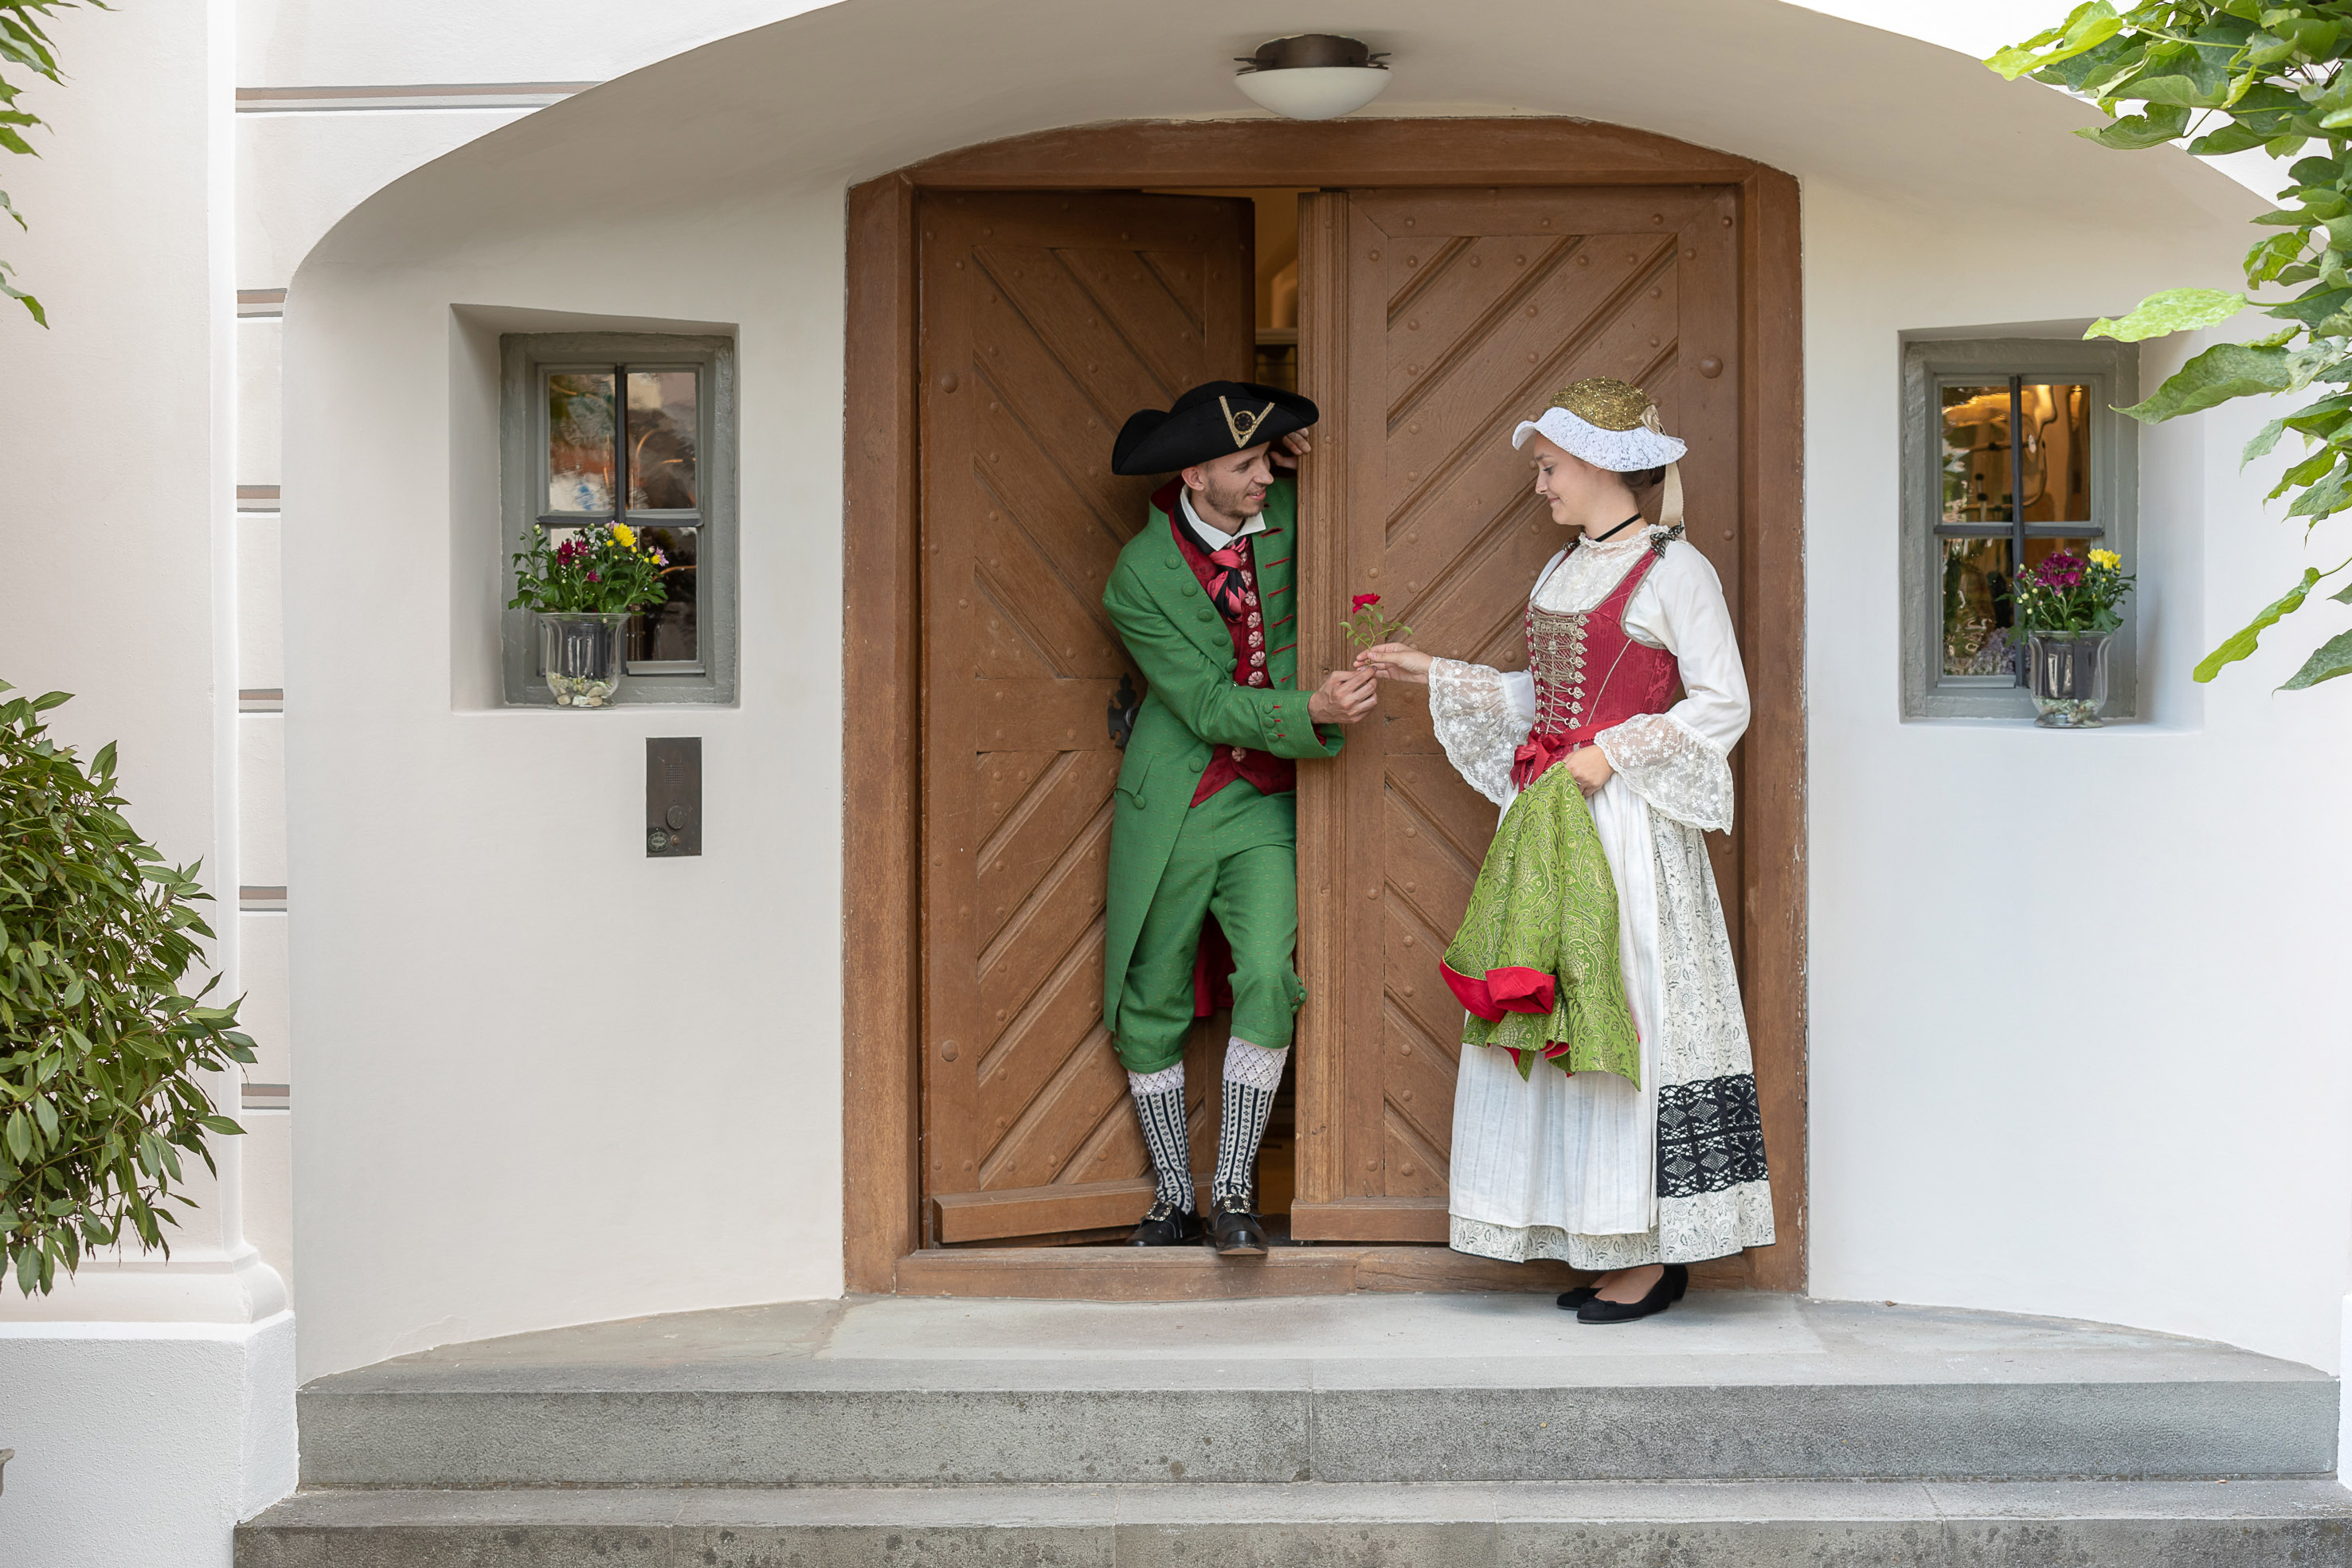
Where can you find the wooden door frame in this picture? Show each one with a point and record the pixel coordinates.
(881, 647)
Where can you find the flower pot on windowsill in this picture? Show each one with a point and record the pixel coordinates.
(582, 654)
(2067, 672)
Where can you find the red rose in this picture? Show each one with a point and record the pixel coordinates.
(1360, 601)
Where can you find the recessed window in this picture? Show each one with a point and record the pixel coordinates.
(2012, 453)
(632, 428)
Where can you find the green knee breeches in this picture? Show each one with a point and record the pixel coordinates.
(1235, 857)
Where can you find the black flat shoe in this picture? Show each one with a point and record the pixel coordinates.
(1236, 1232)
(1570, 1300)
(1672, 1283)
(1167, 1226)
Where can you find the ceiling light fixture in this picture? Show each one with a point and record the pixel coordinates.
(1313, 75)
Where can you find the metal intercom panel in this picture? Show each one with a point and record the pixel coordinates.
(673, 796)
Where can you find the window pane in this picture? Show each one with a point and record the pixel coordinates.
(1977, 619)
(1976, 605)
(579, 441)
(670, 631)
(661, 441)
(2057, 451)
(1976, 454)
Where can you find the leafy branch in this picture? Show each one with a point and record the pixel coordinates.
(98, 1046)
(2230, 75)
(24, 42)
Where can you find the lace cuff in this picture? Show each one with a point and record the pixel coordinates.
(1475, 723)
(1673, 767)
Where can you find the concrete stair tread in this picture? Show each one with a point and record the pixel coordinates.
(352, 1507)
(1347, 1389)
(1522, 1525)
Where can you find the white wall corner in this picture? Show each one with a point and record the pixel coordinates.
(2343, 1406)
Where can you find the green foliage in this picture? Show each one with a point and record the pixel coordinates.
(98, 1048)
(24, 42)
(2231, 76)
(604, 567)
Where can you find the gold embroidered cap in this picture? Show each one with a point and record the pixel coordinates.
(1611, 425)
(1215, 419)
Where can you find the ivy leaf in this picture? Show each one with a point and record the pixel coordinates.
(2164, 122)
(2085, 27)
(2329, 660)
(2171, 311)
(2242, 643)
(2222, 372)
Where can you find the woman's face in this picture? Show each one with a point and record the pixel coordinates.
(1564, 479)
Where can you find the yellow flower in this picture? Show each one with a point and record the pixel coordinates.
(2107, 559)
(628, 538)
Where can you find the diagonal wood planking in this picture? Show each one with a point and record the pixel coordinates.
(1045, 322)
(1463, 311)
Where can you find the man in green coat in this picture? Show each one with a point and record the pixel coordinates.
(1205, 825)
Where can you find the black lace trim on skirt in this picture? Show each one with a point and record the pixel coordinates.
(1710, 1135)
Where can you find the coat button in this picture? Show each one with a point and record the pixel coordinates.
(1199, 615)
(1196, 764)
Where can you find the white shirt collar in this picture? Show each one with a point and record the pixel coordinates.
(1216, 538)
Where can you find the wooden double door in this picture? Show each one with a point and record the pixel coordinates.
(1432, 321)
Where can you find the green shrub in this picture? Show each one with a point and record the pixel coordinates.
(99, 1049)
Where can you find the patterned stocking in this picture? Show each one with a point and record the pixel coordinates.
(1252, 1075)
(1160, 1106)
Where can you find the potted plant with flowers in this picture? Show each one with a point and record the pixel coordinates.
(2068, 609)
(583, 589)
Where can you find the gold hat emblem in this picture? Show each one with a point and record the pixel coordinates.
(1244, 424)
(1607, 403)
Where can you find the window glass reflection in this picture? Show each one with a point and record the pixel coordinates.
(579, 441)
(662, 457)
(1977, 452)
(669, 631)
(1979, 617)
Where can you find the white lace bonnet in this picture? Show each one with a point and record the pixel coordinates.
(1611, 425)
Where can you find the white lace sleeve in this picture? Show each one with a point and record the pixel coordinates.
(1679, 761)
(1480, 716)
(1678, 771)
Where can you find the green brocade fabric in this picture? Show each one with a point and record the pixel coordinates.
(1546, 902)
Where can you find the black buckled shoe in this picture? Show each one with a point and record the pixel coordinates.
(1672, 1280)
(1237, 1232)
(1167, 1226)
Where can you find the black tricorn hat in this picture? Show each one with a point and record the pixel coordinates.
(1215, 419)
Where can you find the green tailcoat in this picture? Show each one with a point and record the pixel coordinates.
(1180, 642)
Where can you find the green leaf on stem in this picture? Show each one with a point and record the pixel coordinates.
(2329, 660)
(2171, 310)
(2242, 643)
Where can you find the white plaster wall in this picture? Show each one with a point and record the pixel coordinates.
(142, 1445)
(2075, 1049)
(517, 1114)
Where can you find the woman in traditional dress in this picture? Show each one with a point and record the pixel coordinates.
(1605, 1112)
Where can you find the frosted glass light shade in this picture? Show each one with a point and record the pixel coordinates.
(1314, 92)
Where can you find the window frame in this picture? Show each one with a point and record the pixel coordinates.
(2112, 370)
(525, 360)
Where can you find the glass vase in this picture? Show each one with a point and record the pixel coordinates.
(580, 654)
(2067, 672)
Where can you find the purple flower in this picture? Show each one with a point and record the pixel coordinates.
(593, 578)
(2060, 571)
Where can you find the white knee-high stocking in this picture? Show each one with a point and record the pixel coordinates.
(1252, 1075)
(1159, 1107)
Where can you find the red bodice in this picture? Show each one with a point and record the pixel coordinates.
(1590, 675)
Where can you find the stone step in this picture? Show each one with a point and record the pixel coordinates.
(2178, 1524)
(1497, 1388)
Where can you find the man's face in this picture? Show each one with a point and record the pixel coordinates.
(1230, 487)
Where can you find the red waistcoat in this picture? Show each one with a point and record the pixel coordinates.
(1590, 675)
(1269, 774)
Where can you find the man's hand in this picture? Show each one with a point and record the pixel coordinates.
(1286, 452)
(1345, 696)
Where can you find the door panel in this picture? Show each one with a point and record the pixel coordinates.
(1045, 321)
(1432, 322)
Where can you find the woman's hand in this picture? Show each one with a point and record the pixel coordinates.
(1396, 661)
(1589, 766)
(1289, 450)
